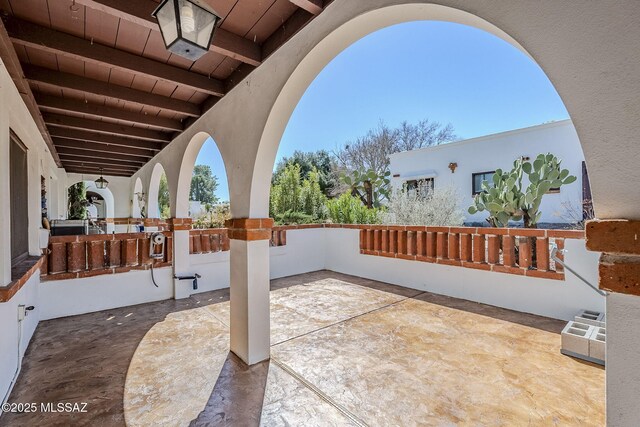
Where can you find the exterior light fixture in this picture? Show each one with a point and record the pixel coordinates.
(187, 29)
(453, 167)
(101, 183)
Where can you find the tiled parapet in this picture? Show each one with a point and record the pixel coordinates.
(85, 256)
(518, 251)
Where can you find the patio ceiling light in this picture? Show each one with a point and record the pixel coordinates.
(186, 28)
(101, 183)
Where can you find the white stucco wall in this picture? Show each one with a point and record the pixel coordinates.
(11, 352)
(488, 153)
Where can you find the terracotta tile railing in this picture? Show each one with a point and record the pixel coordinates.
(502, 250)
(210, 240)
(85, 256)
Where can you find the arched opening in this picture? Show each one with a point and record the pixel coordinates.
(138, 200)
(203, 192)
(465, 85)
(323, 53)
(97, 205)
(158, 199)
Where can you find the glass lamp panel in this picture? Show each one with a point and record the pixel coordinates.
(167, 20)
(197, 24)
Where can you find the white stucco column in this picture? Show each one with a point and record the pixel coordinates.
(250, 324)
(180, 247)
(623, 360)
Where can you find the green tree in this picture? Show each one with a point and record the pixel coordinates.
(296, 200)
(203, 185)
(320, 160)
(163, 197)
(77, 201)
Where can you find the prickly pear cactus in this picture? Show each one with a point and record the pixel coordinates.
(506, 200)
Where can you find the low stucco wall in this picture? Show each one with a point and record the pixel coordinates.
(338, 249)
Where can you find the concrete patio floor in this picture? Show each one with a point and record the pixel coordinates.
(345, 351)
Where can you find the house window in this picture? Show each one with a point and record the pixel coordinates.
(419, 186)
(477, 180)
(19, 213)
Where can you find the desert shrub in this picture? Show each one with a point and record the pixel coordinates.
(348, 209)
(439, 207)
(214, 217)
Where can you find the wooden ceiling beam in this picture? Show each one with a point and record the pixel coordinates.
(82, 135)
(46, 39)
(54, 79)
(96, 148)
(139, 12)
(73, 122)
(57, 104)
(113, 164)
(11, 61)
(312, 6)
(96, 171)
(103, 155)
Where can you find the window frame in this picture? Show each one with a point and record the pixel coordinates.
(417, 187)
(15, 211)
(473, 181)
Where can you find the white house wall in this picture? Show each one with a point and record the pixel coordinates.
(491, 152)
(15, 116)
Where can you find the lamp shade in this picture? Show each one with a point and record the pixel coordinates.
(186, 28)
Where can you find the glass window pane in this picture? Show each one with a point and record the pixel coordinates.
(167, 20)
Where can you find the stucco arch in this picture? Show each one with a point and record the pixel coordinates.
(546, 33)
(186, 171)
(153, 210)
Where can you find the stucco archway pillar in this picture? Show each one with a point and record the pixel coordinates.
(619, 274)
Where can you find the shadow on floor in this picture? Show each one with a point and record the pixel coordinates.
(237, 396)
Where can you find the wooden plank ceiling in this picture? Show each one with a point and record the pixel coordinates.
(103, 89)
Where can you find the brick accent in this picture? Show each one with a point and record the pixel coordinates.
(442, 245)
(454, 246)
(402, 242)
(250, 229)
(385, 241)
(620, 273)
(421, 243)
(466, 247)
(179, 224)
(508, 251)
(493, 249)
(478, 248)
(542, 253)
(7, 292)
(76, 256)
(613, 236)
(524, 245)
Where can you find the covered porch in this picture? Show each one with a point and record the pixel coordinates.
(433, 323)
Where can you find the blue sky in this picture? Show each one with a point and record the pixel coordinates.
(444, 72)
